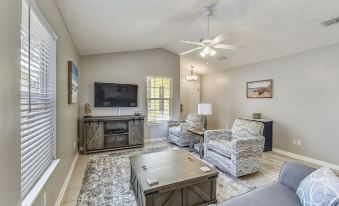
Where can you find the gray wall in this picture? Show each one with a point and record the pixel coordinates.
(10, 20)
(304, 105)
(130, 68)
(67, 115)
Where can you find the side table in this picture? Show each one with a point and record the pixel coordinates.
(200, 146)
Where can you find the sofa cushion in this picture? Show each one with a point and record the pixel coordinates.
(220, 146)
(175, 130)
(275, 194)
(320, 188)
(245, 128)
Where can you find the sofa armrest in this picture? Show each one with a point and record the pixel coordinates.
(173, 123)
(218, 133)
(292, 174)
(249, 147)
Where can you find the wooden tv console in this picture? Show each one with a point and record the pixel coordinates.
(106, 133)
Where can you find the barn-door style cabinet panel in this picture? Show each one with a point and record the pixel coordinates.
(104, 133)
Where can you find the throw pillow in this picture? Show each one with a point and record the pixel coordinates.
(320, 188)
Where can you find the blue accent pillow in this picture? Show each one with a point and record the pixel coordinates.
(320, 188)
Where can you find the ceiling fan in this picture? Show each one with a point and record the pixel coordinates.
(209, 44)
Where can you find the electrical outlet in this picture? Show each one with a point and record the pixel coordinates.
(299, 142)
(294, 141)
(45, 199)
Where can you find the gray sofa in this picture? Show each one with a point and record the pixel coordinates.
(281, 193)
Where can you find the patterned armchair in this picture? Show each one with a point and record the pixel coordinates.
(237, 151)
(178, 130)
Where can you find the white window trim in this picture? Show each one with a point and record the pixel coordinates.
(41, 17)
(158, 122)
(35, 191)
(39, 185)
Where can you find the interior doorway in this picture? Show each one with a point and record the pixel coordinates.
(189, 98)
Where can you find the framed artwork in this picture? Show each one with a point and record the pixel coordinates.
(72, 83)
(260, 89)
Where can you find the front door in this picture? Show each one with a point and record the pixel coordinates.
(189, 97)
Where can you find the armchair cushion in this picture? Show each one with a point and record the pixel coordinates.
(220, 146)
(242, 129)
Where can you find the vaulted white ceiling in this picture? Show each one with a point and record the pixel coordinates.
(265, 29)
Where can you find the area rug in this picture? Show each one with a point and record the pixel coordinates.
(106, 180)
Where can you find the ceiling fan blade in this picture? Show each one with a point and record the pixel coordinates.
(218, 39)
(224, 46)
(191, 42)
(192, 50)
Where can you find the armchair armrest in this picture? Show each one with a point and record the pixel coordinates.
(292, 174)
(184, 127)
(219, 133)
(173, 123)
(249, 147)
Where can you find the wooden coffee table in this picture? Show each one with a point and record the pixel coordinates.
(181, 182)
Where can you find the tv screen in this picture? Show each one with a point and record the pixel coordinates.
(115, 95)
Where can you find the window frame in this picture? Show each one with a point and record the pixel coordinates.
(170, 100)
(29, 9)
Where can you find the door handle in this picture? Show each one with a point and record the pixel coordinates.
(181, 108)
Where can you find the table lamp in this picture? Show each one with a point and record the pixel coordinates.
(205, 109)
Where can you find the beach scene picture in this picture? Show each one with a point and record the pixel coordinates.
(259, 89)
(72, 83)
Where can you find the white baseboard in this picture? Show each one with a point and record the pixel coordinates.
(307, 159)
(64, 186)
(155, 140)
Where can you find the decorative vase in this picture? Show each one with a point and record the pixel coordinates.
(256, 115)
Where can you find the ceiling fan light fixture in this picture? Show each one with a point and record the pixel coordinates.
(207, 51)
(212, 52)
(203, 54)
(208, 44)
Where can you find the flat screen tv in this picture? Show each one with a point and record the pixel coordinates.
(115, 95)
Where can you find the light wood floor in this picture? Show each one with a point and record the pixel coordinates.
(272, 163)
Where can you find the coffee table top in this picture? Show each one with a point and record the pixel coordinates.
(170, 168)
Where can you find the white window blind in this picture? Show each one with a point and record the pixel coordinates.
(159, 98)
(38, 65)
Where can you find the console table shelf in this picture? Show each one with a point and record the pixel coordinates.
(105, 133)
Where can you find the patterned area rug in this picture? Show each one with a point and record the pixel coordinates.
(106, 180)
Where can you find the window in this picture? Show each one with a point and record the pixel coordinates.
(159, 98)
(38, 97)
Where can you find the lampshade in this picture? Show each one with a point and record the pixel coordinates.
(205, 109)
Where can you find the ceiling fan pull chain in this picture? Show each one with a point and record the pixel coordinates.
(208, 25)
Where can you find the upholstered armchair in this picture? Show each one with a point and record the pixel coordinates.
(178, 130)
(237, 151)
